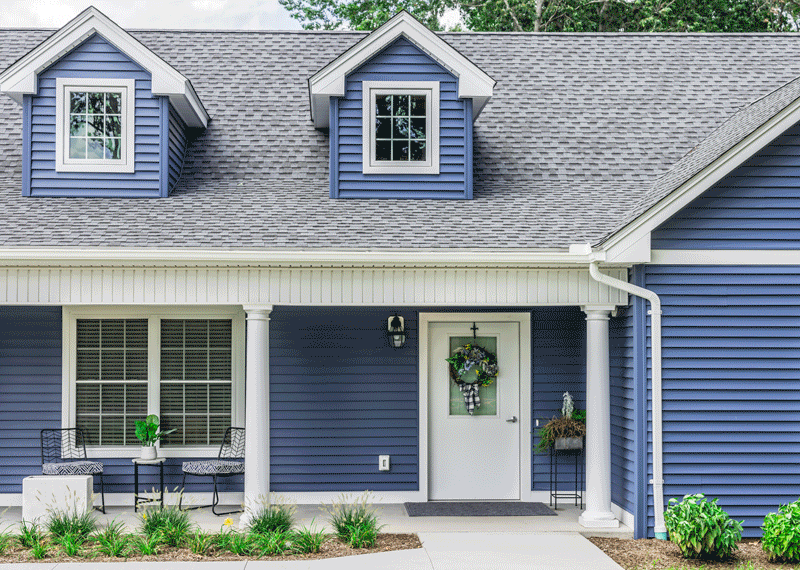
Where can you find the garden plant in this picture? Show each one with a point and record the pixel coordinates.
(701, 529)
(781, 538)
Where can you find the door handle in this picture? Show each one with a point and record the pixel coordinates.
(512, 420)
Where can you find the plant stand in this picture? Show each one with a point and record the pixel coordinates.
(577, 494)
(137, 498)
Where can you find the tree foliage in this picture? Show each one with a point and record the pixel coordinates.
(558, 15)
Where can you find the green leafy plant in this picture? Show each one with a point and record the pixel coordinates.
(309, 540)
(168, 522)
(781, 539)
(700, 528)
(29, 534)
(65, 522)
(147, 544)
(271, 518)
(239, 543)
(40, 549)
(71, 544)
(200, 542)
(354, 521)
(148, 432)
(274, 543)
(6, 541)
(111, 541)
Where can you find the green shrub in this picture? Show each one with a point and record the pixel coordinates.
(40, 549)
(275, 543)
(355, 522)
(239, 543)
(30, 534)
(170, 523)
(781, 538)
(111, 542)
(6, 540)
(64, 522)
(147, 544)
(71, 543)
(271, 518)
(309, 540)
(200, 542)
(700, 528)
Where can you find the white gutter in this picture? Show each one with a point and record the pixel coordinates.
(171, 257)
(655, 323)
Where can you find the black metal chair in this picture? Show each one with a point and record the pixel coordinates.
(229, 462)
(64, 453)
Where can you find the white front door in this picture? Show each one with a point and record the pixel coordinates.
(474, 457)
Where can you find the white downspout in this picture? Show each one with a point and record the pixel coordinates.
(655, 323)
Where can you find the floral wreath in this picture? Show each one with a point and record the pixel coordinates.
(466, 357)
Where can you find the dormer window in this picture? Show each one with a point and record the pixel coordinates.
(401, 127)
(95, 125)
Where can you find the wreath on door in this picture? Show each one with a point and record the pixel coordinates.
(466, 358)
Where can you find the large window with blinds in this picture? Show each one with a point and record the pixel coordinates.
(187, 370)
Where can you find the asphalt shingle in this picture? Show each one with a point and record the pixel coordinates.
(584, 132)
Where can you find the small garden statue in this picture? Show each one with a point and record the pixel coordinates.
(568, 407)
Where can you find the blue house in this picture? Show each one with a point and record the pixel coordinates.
(291, 231)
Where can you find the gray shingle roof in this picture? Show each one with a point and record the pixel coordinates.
(584, 132)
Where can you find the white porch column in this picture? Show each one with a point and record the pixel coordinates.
(598, 421)
(256, 440)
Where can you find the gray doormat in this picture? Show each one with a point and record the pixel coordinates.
(470, 509)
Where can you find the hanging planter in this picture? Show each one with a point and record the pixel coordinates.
(466, 358)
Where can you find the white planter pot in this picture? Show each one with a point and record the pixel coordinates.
(149, 452)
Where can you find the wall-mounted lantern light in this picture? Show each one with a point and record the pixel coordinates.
(397, 331)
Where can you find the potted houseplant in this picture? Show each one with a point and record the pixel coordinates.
(565, 432)
(148, 432)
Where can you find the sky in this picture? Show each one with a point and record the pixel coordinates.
(163, 14)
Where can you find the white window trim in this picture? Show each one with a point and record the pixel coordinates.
(154, 315)
(126, 162)
(370, 89)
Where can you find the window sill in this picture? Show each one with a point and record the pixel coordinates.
(401, 169)
(134, 452)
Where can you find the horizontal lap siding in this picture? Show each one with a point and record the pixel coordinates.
(177, 146)
(30, 400)
(94, 58)
(757, 206)
(731, 368)
(339, 397)
(623, 406)
(402, 61)
(559, 365)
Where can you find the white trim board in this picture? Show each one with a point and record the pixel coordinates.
(725, 257)
(478, 287)
(627, 238)
(329, 82)
(623, 516)
(526, 432)
(22, 78)
(126, 499)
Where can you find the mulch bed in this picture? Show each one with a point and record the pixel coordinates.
(331, 549)
(650, 554)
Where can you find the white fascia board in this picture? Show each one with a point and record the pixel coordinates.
(643, 225)
(725, 257)
(329, 82)
(22, 77)
(110, 257)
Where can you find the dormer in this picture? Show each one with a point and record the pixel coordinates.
(399, 107)
(102, 114)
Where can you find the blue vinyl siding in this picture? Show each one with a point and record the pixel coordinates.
(94, 58)
(754, 207)
(30, 400)
(402, 61)
(339, 397)
(731, 386)
(558, 338)
(176, 145)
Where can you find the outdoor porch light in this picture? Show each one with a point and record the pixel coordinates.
(397, 331)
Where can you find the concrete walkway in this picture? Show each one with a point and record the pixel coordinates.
(440, 551)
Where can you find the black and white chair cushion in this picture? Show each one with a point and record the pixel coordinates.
(73, 468)
(213, 467)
